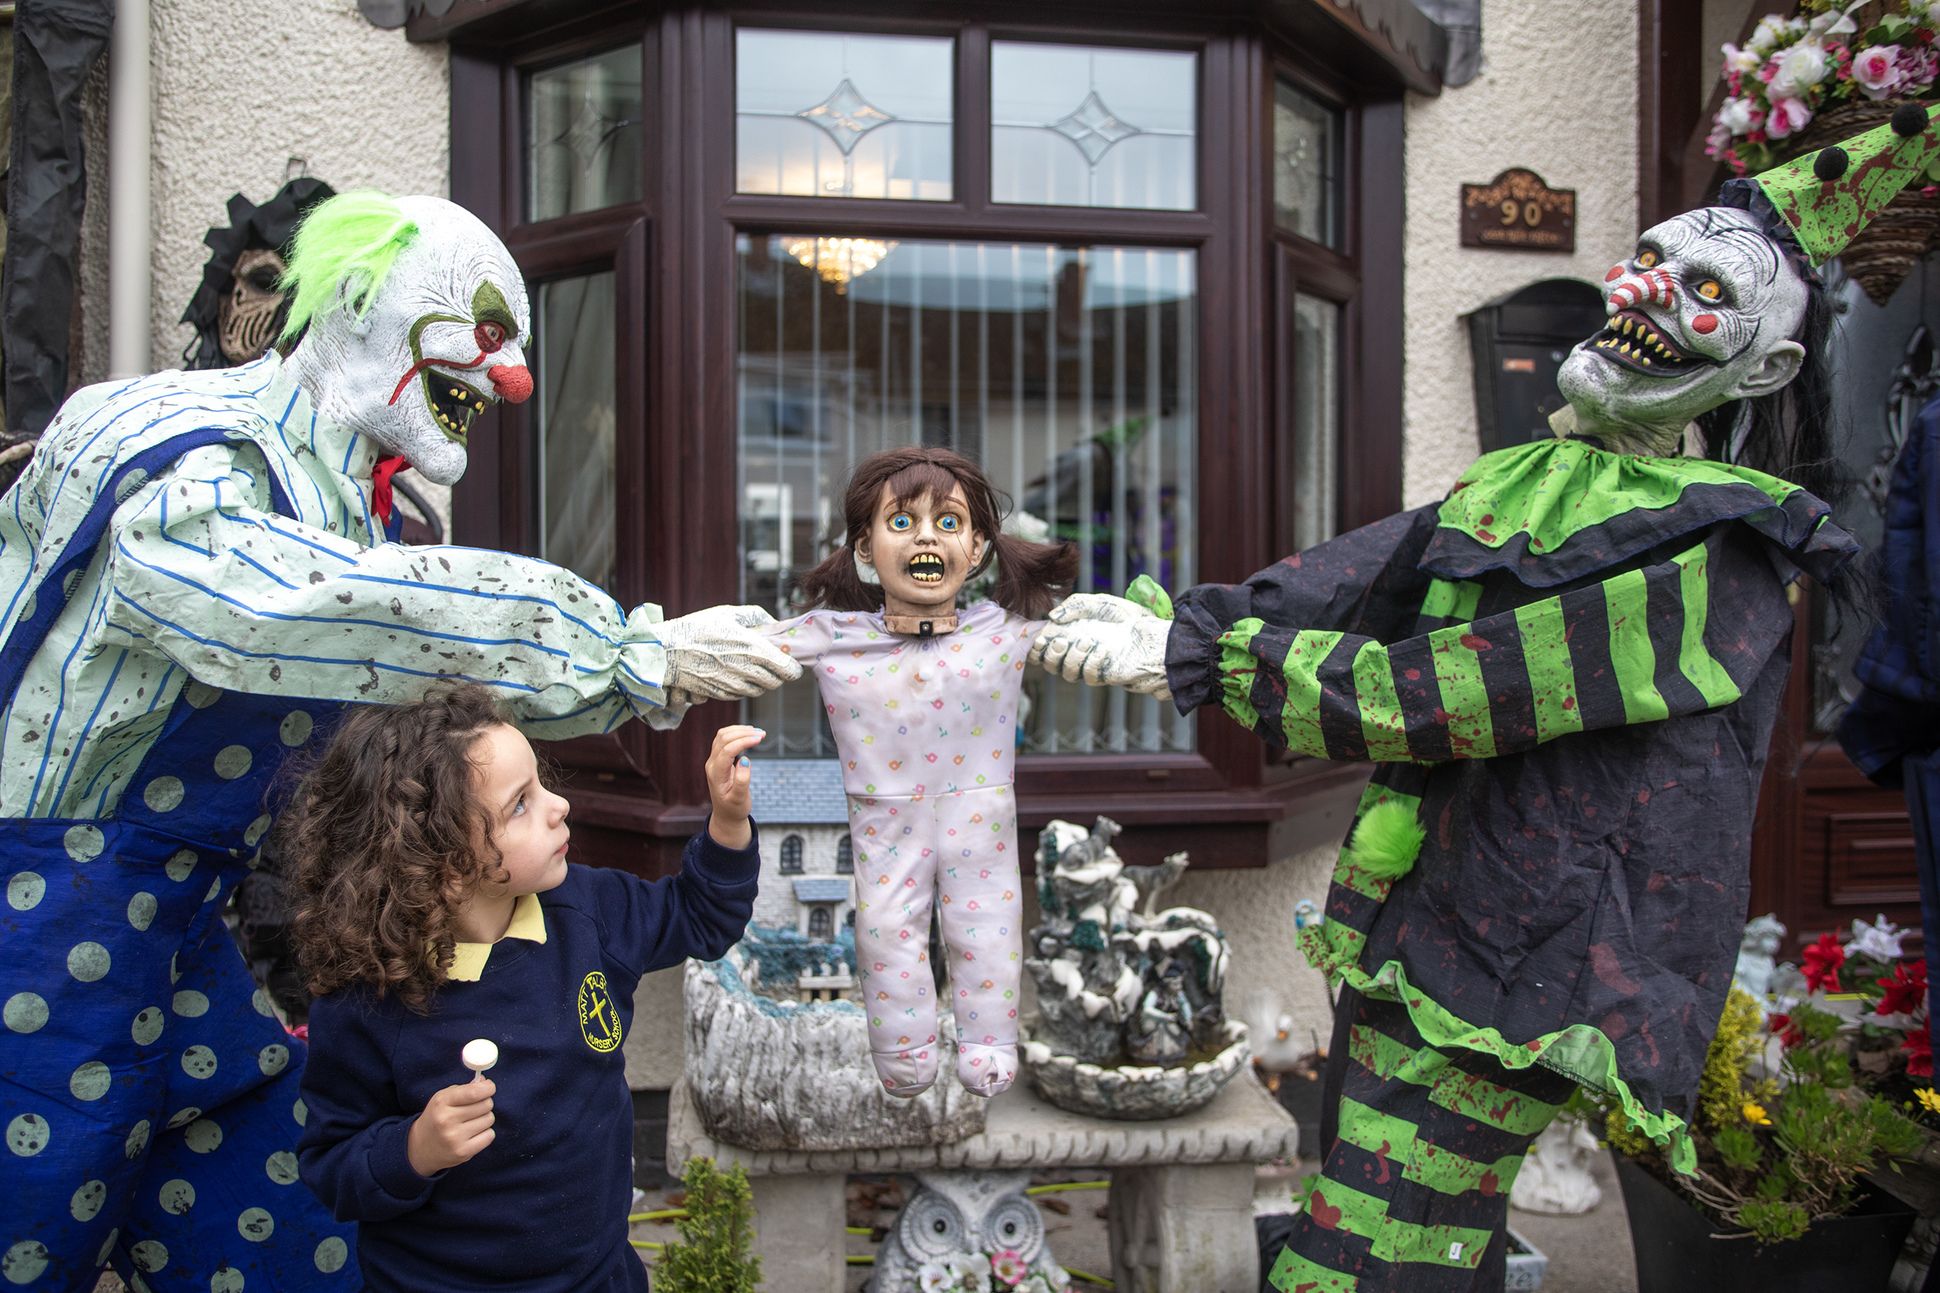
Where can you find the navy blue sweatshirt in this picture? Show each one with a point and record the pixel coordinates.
(543, 1207)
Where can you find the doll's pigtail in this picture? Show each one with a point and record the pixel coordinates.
(1032, 577)
(834, 585)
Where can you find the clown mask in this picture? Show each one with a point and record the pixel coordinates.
(413, 362)
(1706, 312)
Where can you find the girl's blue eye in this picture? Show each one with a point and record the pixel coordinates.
(948, 524)
(901, 521)
(518, 809)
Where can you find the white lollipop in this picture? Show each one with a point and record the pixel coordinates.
(480, 1054)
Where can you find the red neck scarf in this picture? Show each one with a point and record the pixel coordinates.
(380, 485)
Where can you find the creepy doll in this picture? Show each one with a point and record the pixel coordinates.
(923, 700)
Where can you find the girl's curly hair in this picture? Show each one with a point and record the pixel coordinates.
(382, 840)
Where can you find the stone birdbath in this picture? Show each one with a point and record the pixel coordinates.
(1131, 1022)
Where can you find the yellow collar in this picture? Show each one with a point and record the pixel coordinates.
(528, 922)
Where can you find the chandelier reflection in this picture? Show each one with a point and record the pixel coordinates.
(840, 261)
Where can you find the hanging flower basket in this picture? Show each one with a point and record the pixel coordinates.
(1888, 248)
(1831, 71)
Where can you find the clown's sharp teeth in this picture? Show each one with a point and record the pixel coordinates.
(1624, 349)
(1645, 360)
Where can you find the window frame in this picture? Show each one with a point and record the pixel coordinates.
(673, 253)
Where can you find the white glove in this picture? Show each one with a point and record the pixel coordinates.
(721, 653)
(1107, 642)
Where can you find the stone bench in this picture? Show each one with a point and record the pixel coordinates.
(1181, 1208)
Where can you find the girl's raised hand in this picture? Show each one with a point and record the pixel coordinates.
(728, 778)
(454, 1126)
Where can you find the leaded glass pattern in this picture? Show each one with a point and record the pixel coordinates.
(1075, 125)
(1307, 141)
(1067, 372)
(583, 135)
(573, 359)
(820, 114)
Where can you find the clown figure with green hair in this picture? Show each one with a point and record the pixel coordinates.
(196, 573)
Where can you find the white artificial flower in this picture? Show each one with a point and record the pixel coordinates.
(1736, 115)
(1035, 1284)
(934, 1278)
(1880, 940)
(1836, 22)
(1798, 69)
(1770, 30)
(972, 1274)
(1740, 60)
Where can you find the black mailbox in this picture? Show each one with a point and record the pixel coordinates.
(1519, 341)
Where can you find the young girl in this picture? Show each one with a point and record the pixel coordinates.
(434, 905)
(923, 703)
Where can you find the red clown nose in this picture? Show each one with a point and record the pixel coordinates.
(513, 382)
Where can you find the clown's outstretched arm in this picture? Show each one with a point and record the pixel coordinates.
(1684, 635)
(1365, 581)
(205, 572)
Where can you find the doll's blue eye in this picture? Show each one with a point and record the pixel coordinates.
(947, 523)
(901, 521)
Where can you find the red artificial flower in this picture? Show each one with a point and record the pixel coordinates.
(1789, 1033)
(1906, 989)
(1919, 1053)
(1822, 962)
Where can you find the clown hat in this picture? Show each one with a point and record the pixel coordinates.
(1822, 200)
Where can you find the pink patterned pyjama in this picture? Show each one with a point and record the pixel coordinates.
(927, 731)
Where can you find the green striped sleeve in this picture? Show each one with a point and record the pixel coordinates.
(1693, 660)
(1626, 600)
(1395, 1241)
(1552, 675)
(1465, 698)
(1383, 726)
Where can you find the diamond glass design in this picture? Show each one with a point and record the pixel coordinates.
(846, 116)
(1094, 128)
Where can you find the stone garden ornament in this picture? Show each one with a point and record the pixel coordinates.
(1567, 672)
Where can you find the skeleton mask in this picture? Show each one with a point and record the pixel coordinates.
(440, 341)
(1705, 312)
(247, 319)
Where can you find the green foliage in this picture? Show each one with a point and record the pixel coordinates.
(1773, 1157)
(715, 1236)
(1739, 1149)
(1771, 1223)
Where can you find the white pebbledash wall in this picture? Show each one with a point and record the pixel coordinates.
(238, 95)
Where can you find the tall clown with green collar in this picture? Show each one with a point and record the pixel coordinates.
(1567, 674)
(195, 576)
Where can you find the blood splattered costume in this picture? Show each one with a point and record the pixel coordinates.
(193, 578)
(1568, 673)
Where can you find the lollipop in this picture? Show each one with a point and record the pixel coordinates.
(480, 1054)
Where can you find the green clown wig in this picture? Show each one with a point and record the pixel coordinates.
(346, 245)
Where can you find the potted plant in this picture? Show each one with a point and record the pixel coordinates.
(716, 1235)
(1834, 70)
(1777, 1200)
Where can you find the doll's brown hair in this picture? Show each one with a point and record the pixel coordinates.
(382, 840)
(1030, 576)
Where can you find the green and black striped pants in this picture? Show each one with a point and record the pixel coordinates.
(1414, 1192)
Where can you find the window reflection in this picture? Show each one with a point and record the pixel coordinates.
(1073, 125)
(1068, 373)
(1306, 166)
(1316, 419)
(573, 349)
(831, 115)
(583, 137)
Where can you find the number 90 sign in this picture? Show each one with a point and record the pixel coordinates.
(1517, 211)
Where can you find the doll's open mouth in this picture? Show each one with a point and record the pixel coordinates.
(1631, 339)
(926, 568)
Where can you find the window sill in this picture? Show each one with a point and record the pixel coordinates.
(1221, 829)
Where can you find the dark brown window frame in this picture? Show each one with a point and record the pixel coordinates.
(636, 794)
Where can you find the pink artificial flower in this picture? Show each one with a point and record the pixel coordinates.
(1788, 116)
(1878, 71)
(1009, 1267)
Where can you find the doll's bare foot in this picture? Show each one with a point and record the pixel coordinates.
(986, 1070)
